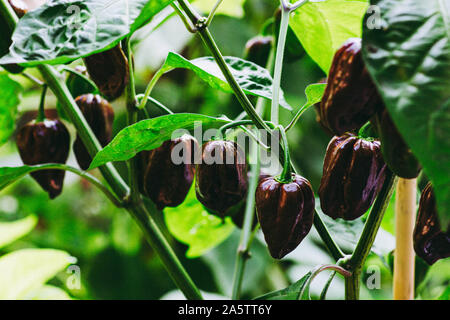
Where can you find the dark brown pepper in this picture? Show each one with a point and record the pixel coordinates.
(100, 116)
(45, 142)
(109, 70)
(431, 243)
(396, 153)
(285, 213)
(221, 177)
(170, 172)
(350, 97)
(353, 174)
(257, 50)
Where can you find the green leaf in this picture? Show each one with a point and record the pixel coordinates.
(322, 27)
(232, 8)
(62, 31)
(9, 100)
(290, 293)
(252, 78)
(191, 224)
(23, 271)
(11, 231)
(314, 93)
(48, 292)
(149, 134)
(409, 59)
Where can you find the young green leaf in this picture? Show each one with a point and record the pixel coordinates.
(190, 223)
(322, 27)
(149, 134)
(252, 78)
(23, 271)
(9, 100)
(409, 59)
(62, 31)
(13, 230)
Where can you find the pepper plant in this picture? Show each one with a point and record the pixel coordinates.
(400, 68)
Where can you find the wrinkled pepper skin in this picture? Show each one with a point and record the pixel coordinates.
(285, 213)
(257, 50)
(396, 153)
(45, 142)
(166, 182)
(109, 71)
(353, 174)
(431, 243)
(350, 97)
(100, 116)
(221, 177)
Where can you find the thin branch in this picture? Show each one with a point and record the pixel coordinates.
(213, 12)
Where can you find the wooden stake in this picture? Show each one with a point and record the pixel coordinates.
(404, 256)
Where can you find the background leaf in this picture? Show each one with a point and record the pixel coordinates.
(9, 100)
(290, 293)
(25, 270)
(409, 59)
(149, 134)
(232, 8)
(11, 231)
(191, 224)
(322, 27)
(63, 31)
(252, 78)
(48, 292)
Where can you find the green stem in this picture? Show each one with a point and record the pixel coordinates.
(213, 12)
(322, 230)
(156, 103)
(286, 174)
(279, 65)
(150, 87)
(368, 235)
(41, 110)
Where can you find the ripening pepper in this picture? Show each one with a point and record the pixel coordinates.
(45, 142)
(100, 116)
(431, 243)
(350, 98)
(109, 71)
(257, 50)
(170, 171)
(221, 177)
(353, 174)
(396, 153)
(285, 213)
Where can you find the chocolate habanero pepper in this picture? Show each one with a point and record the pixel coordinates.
(170, 171)
(257, 50)
(109, 70)
(100, 116)
(396, 153)
(430, 242)
(45, 142)
(350, 97)
(285, 213)
(221, 177)
(353, 174)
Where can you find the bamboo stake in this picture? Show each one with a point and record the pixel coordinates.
(404, 257)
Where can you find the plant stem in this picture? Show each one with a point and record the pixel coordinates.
(279, 65)
(404, 256)
(322, 230)
(368, 235)
(150, 87)
(286, 174)
(213, 12)
(41, 110)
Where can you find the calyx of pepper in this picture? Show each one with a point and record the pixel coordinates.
(350, 98)
(353, 174)
(110, 71)
(431, 243)
(285, 213)
(45, 142)
(170, 171)
(100, 116)
(396, 153)
(221, 177)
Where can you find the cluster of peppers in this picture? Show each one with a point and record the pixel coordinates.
(353, 172)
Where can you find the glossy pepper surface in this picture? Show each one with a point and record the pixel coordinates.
(396, 153)
(350, 97)
(109, 70)
(431, 243)
(353, 174)
(170, 171)
(100, 116)
(45, 142)
(285, 213)
(221, 177)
